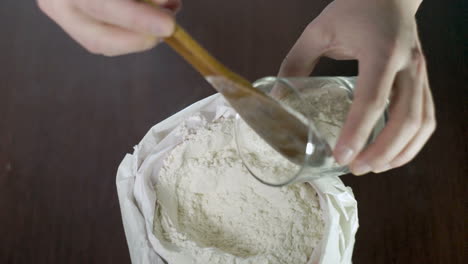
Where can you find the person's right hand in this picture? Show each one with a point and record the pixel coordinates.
(113, 27)
(383, 37)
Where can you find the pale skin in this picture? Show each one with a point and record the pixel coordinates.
(380, 34)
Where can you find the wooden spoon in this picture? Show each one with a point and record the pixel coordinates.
(279, 128)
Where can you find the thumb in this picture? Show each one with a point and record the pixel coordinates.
(305, 53)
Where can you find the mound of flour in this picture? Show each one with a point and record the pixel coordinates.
(214, 210)
(326, 107)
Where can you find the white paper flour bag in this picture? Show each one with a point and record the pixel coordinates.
(138, 174)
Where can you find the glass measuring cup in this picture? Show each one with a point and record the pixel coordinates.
(322, 104)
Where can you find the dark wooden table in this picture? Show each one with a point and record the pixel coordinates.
(67, 118)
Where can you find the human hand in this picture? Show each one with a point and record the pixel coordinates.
(382, 36)
(113, 27)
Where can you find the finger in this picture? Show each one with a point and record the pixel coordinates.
(374, 82)
(405, 121)
(99, 38)
(305, 53)
(131, 15)
(427, 129)
(301, 59)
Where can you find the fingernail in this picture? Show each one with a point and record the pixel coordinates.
(360, 168)
(383, 168)
(344, 155)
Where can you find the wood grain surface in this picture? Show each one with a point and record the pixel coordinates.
(67, 118)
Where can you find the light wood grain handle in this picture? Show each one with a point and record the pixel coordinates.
(199, 58)
(194, 53)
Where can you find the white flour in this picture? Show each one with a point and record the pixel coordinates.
(326, 107)
(223, 215)
(214, 210)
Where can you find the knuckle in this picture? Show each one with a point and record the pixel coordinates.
(416, 55)
(417, 59)
(423, 61)
(412, 122)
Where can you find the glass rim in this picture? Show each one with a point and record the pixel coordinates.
(346, 83)
(288, 82)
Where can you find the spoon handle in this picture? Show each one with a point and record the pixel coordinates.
(187, 47)
(200, 58)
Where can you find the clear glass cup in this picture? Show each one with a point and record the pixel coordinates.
(320, 102)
